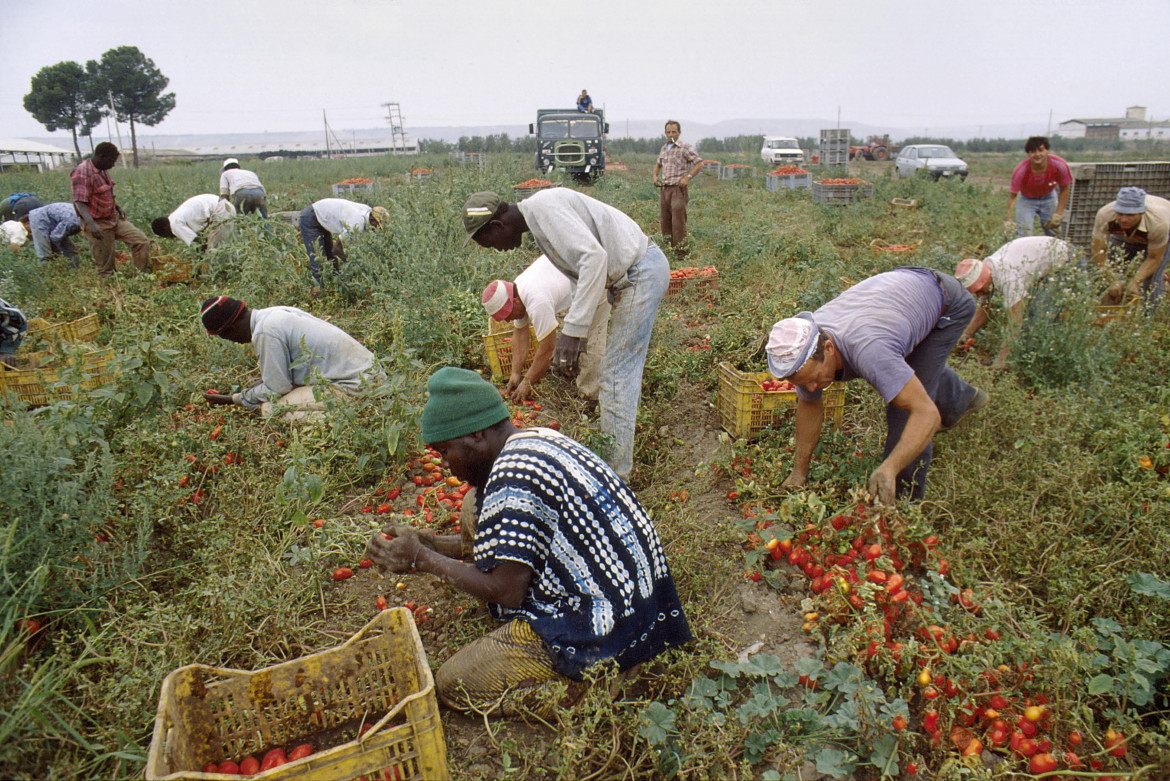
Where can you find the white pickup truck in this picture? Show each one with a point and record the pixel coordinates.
(780, 150)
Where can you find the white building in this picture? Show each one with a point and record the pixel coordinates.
(18, 152)
(1133, 126)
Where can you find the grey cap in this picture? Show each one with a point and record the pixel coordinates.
(478, 211)
(1130, 200)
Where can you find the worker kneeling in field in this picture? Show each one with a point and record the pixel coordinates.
(538, 296)
(198, 214)
(895, 330)
(294, 349)
(322, 220)
(564, 554)
(1013, 270)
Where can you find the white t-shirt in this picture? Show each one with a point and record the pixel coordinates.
(235, 179)
(339, 216)
(1023, 262)
(196, 213)
(14, 233)
(546, 293)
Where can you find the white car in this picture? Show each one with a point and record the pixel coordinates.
(934, 160)
(781, 150)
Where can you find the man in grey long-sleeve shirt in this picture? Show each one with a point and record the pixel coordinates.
(605, 253)
(293, 348)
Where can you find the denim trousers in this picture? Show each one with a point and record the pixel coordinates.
(1028, 209)
(45, 247)
(631, 321)
(251, 199)
(311, 234)
(946, 389)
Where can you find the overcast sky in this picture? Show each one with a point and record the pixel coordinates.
(274, 65)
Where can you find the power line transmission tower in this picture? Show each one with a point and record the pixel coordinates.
(397, 131)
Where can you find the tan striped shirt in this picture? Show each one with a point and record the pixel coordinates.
(677, 160)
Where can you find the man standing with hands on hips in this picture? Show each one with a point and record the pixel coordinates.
(677, 164)
(606, 254)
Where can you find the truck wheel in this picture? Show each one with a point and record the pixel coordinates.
(881, 153)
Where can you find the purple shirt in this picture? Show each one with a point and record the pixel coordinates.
(877, 323)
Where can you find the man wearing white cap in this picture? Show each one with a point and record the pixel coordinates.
(1136, 225)
(243, 188)
(1012, 270)
(895, 330)
(539, 295)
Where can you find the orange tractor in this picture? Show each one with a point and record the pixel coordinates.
(875, 148)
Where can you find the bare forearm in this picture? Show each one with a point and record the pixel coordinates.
(919, 430)
(499, 585)
(810, 417)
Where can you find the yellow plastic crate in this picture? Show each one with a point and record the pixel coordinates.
(498, 343)
(380, 676)
(172, 268)
(1109, 313)
(84, 329)
(746, 409)
(38, 386)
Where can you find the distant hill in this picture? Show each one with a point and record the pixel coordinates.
(619, 128)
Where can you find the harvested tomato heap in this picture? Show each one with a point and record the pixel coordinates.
(777, 385)
(789, 170)
(691, 272)
(357, 180)
(534, 183)
(864, 576)
(842, 181)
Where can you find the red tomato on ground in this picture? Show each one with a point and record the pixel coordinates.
(341, 573)
(300, 752)
(250, 766)
(274, 758)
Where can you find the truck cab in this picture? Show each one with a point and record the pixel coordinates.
(570, 140)
(781, 150)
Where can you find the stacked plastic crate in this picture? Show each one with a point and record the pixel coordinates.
(834, 148)
(1096, 184)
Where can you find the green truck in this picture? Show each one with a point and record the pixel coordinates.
(570, 140)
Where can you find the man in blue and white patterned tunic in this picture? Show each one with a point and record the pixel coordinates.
(563, 553)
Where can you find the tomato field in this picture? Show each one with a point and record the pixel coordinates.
(1016, 622)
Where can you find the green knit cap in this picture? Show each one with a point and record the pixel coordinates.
(459, 402)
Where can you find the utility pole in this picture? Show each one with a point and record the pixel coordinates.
(328, 151)
(113, 113)
(1049, 131)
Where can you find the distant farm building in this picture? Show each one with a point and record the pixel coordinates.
(285, 146)
(19, 153)
(1133, 125)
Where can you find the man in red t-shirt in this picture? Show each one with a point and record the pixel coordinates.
(1035, 183)
(103, 220)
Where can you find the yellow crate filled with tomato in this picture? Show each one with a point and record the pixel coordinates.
(749, 402)
(498, 343)
(41, 377)
(365, 709)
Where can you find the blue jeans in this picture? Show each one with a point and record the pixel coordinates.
(946, 389)
(251, 199)
(44, 246)
(312, 234)
(630, 324)
(1028, 209)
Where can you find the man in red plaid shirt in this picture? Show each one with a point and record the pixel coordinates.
(103, 220)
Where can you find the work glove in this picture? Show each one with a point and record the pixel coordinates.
(1054, 221)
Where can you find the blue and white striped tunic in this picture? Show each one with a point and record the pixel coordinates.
(601, 587)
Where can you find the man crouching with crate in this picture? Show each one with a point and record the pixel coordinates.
(564, 554)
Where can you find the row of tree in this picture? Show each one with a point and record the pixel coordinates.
(124, 83)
